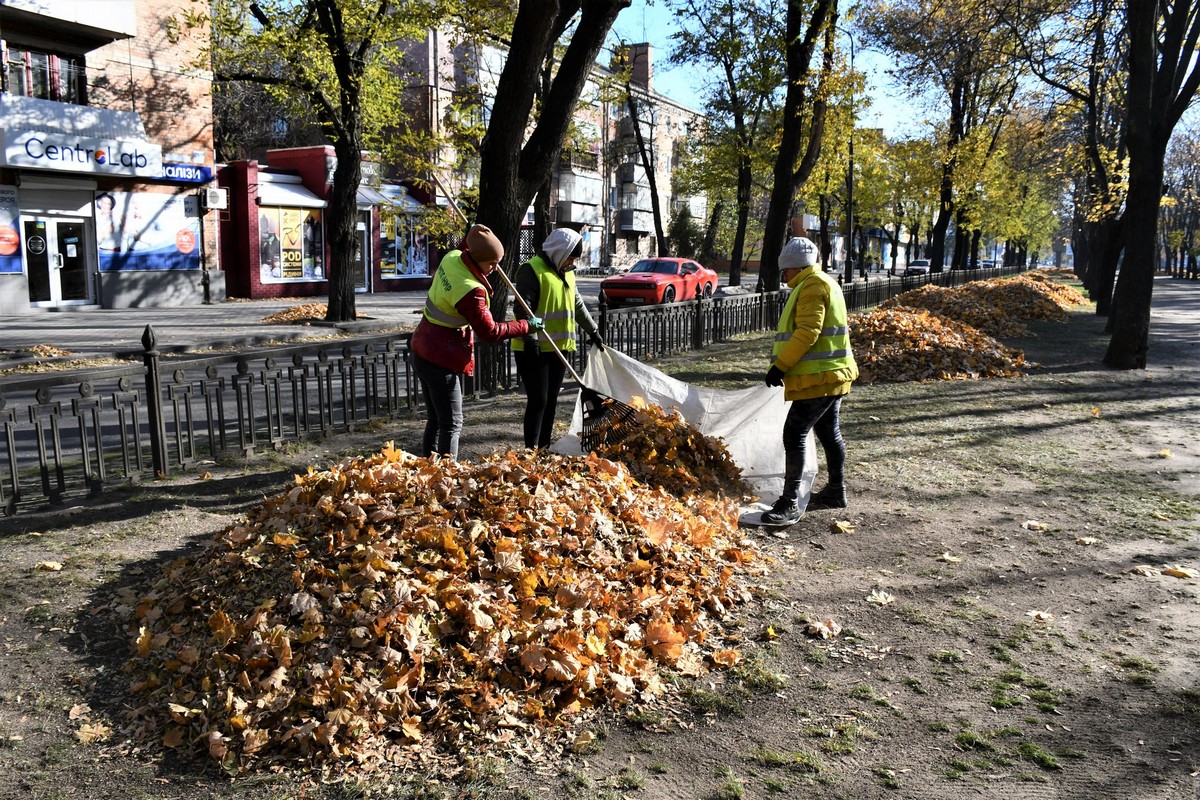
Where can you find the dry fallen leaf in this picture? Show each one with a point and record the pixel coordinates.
(1145, 570)
(1040, 616)
(823, 629)
(949, 559)
(1034, 525)
(48, 566)
(93, 732)
(880, 597)
(1176, 571)
(1086, 540)
(842, 526)
(1096, 411)
(1165, 453)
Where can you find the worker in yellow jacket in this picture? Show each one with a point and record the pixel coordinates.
(813, 362)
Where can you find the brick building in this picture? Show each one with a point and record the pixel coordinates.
(105, 157)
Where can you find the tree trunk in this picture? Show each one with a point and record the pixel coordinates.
(744, 186)
(708, 249)
(511, 167)
(651, 174)
(1130, 318)
(790, 169)
(937, 247)
(341, 224)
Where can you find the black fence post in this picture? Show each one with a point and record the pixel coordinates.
(154, 404)
(698, 323)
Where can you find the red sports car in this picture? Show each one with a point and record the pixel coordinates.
(659, 280)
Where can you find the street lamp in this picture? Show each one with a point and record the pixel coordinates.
(850, 259)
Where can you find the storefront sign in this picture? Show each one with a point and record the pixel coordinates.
(63, 153)
(10, 240)
(186, 173)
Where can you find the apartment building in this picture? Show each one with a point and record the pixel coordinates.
(106, 154)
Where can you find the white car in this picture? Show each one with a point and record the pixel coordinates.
(918, 266)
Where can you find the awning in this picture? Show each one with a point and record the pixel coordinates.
(369, 197)
(400, 199)
(287, 195)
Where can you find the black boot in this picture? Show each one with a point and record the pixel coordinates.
(832, 496)
(786, 511)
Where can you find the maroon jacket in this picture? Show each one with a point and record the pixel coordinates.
(454, 348)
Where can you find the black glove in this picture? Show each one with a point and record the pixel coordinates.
(774, 376)
(597, 342)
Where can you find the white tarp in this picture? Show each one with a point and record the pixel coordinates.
(750, 421)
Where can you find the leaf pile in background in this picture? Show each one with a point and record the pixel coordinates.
(897, 345)
(661, 449)
(960, 306)
(935, 333)
(403, 610)
(301, 313)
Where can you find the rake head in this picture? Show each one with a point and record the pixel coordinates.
(602, 418)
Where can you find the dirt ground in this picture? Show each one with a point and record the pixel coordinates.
(1007, 626)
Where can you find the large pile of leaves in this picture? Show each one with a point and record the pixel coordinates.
(394, 609)
(968, 308)
(660, 448)
(893, 345)
(1024, 297)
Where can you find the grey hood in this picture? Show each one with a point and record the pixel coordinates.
(560, 244)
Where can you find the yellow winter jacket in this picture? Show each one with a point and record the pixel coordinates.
(818, 304)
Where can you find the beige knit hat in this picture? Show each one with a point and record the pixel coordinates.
(483, 245)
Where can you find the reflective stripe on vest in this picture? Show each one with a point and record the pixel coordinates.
(556, 307)
(831, 350)
(452, 281)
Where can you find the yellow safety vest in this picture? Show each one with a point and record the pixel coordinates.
(556, 307)
(831, 351)
(452, 281)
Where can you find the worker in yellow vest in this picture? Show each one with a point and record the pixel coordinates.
(814, 364)
(443, 345)
(547, 283)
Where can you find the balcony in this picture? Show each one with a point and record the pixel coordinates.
(578, 213)
(92, 24)
(634, 220)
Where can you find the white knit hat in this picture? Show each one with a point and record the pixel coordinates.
(798, 253)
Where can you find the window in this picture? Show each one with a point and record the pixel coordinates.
(44, 75)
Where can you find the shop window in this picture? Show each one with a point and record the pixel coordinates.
(290, 245)
(403, 249)
(45, 75)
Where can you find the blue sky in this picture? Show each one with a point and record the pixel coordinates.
(650, 21)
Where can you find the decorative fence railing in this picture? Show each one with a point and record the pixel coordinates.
(67, 434)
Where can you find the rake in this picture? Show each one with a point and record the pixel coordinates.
(602, 415)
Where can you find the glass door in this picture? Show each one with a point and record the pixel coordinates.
(56, 261)
(362, 267)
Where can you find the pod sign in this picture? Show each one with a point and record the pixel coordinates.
(63, 153)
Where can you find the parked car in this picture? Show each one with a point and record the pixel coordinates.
(659, 280)
(918, 266)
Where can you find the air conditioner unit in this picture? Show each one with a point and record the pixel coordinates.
(214, 199)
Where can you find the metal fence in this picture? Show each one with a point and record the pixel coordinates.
(70, 434)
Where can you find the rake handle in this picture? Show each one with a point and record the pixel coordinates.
(517, 295)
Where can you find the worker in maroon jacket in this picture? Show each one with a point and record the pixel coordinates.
(443, 345)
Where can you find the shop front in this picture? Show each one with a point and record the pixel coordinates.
(91, 214)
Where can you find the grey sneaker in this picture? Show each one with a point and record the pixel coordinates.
(784, 512)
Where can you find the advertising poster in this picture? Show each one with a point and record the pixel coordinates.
(404, 251)
(147, 231)
(10, 239)
(292, 242)
(290, 245)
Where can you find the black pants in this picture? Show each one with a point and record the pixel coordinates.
(821, 416)
(542, 376)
